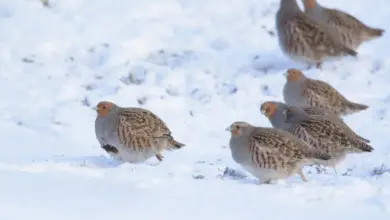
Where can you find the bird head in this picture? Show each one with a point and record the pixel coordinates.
(103, 108)
(294, 75)
(269, 109)
(239, 128)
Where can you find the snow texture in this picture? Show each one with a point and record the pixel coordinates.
(198, 64)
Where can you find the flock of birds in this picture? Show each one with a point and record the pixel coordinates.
(306, 130)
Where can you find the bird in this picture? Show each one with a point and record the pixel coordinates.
(132, 134)
(349, 30)
(325, 135)
(302, 91)
(270, 154)
(304, 40)
(273, 110)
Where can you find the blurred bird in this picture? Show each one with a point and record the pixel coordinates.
(132, 135)
(304, 40)
(305, 92)
(270, 154)
(349, 30)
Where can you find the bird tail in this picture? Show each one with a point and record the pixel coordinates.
(363, 147)
(363, 139)
(174, 145)
(352, 107)
(374, 32)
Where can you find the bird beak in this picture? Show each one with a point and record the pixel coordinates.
(95, 108)
(285, 74)
(263, 111)
(228, 129)
(284, 112)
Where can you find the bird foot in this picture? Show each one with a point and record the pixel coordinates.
(159, 157)
(300, 173)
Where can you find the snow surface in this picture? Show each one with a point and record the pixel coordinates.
(200, 65)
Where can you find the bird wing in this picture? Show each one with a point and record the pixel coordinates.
(317, 111)
(341, 19)
(279, 142)
(346, 129)
(311, 33)
(322, 93)
(142, 124)
(322, 134)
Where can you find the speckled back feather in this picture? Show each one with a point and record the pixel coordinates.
(287, 148)
(320, 94)
(141, 128)
(327, 136)
(350, 30)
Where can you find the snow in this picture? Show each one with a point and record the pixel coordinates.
(200, 65)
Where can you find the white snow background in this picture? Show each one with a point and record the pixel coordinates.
(199, 65)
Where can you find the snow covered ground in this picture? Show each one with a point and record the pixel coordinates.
(200, 65)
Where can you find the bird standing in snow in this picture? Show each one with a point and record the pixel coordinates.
(270, 154)
(351, 32)
(305, 92)
(304, 40)
(325, 135)
(274, 111)
(132, 134)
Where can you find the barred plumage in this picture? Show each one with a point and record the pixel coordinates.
(274, 112)
(136, 133)
(269, 153)
(350, 31)
(323, 134)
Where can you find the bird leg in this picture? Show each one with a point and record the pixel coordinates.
(319, 65)
(300, 173)
(335, 170)
(159, 157)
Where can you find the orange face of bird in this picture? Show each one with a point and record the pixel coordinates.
(309, 3)
(293, 75)
(268, 109)
(234, 130)
(103, 108)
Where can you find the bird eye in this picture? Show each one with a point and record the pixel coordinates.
(237, 127)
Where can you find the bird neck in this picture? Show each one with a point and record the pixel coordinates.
(279, 121)
(313, 7)
(297, 117)
(289, 5)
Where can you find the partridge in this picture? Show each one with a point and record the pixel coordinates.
(323, 134)
(349, 30)
(270, 154)
(132, 135)
(274, 112)
(305, 92)
(304, 40)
